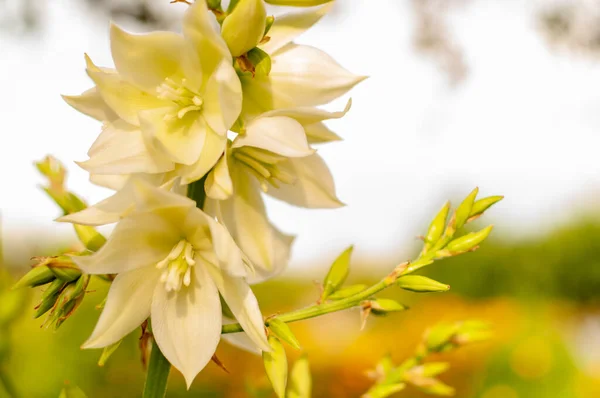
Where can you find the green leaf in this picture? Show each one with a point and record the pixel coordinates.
(276, 366)
(283, 331)
(337, 273)
(300, 379)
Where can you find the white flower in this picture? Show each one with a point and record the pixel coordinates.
(271, 154)
(172, 262)
(168, 105)
(300, 75)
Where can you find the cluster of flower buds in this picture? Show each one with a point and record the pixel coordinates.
(390, 378)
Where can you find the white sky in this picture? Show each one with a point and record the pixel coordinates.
(525, 124)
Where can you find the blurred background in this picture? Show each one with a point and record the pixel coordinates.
(500, 94)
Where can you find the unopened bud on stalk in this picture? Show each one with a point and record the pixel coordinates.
(91, 239)
(276, 366)
(384, 390)
(49, 297)
(469, 241)
(61, 266)
(37, 276)
(261, 62)
(68, 301)
(269, 23)
(436, 228)
(384, 306)
(464, 210)
(338, 272)
(245, 26)
(421, 284)
(283, 331)
(482, 205)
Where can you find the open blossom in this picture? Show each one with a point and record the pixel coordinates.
(272, 154)
(172, 262)
(169, 103)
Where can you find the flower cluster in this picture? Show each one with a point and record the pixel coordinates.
(196, 127)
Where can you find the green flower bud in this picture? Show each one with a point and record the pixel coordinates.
(62, 267)
(300, 379)
(469, 241)
(276, 366)
(483, 204)
(91, 239)
(213, 4)
(384, 306)
(244, 28)
(464, 210)
(421, 284)
(297, 3)
(269, 23)
(347, 291)
(432, 369)
(436, 228)
(68, 301)
(49, 297)
(261, 61)
(439, 336)
(337, 273)
(36, 277)
(384, 390)
(283, 331)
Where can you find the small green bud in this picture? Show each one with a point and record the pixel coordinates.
(483, 204)
(297, 3)
(107, 352)
(245, 26)
(439, 336)
(472, 332)
(283, 331)
(36, 277)
(346, 292)
(384, 306)
(213, 4)
(63, 267)
(464, 210)
(49, 297)
(384, 390)
(276, 366)
(268, 24)
(421, 284)
(469, 241)
(432, 369)
(261, 61)
(300, 379)
(68, 301)
(436, 228)
(91, 239)
(337, 273)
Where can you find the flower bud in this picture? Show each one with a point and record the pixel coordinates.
(436, 228)
(384, 390)
(36, 277)
(300, 379)
(213, 4)
(384, 306)
(245, 26)
(337, 273)
(261, 62)
(283, 331)
(421, 284)
(483, 204)
(469, 241)
(49, 297)
(68, 301)
(91, 239)
(464, 210)
(269, 23)
(297, 3)
(347, 291)
(276, 366)
(62, 267)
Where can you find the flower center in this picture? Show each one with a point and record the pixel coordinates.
(177, 266)
(185, 99)
(267, 167)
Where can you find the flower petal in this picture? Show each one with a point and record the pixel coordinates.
(112, 181)
(318, 133)
(289, 26)
(243, 304)
(212, 149)
(146, 60)
(222, 98)
(127, 306)
(91, 103)
(309, 115)
(218, 184)
(150, 198)
(125, 99)
(187, 324)
(239, 340)
(282, 245)
(181, 140)
(139, 240)
(121, 149)
(314, 186)
(279, 134)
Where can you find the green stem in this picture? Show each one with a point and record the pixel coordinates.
(349, 302)
(158, 374)
(159, 367)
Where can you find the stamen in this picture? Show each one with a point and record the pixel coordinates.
(185, 99)
(177, 266)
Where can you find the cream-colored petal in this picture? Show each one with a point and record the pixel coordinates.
(199, 29)
(127, 306)
(181, 140)
(150, 198)
(187, 324)
(114, 182)
(309, 115)
(121, 149)
(218, 184)
(313, 188)
(147, 59)
(138, 240)
(222, 98)
(91, 103)
(279, 134)
(282, 245)
(228, 255)
(239, 340)
(125, 99)
(318, 133)
(300, 76)
(289, 26)
(243, 304)
(213, 147)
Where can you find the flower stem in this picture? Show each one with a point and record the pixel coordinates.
(158, 374)
(349, 302)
